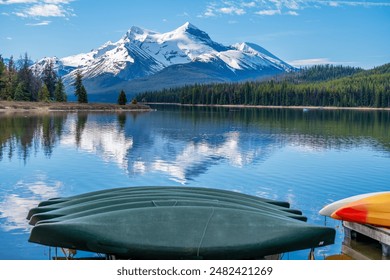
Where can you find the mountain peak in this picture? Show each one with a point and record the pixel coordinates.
(136, 30)
(138, 33)
(187, 26)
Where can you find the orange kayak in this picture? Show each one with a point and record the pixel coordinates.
(329, 209)
(374, 210)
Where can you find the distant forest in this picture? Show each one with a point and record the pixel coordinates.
(321, 85)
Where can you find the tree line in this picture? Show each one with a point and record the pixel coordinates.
(322, 85)
(20, 82)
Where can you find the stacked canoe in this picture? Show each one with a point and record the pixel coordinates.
(174, 223)
(369, 208)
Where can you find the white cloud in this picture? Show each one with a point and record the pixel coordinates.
(42, 23)
(292, 13)
(8, 38)
(310, 62)
(268, 12)
(227, 8)
(20, 14)
(357, 3)
(293, 5)
(209, 12)
(317, 61)
(57, 1)
(40, 8)
(249, 5)
(280, 7)
(44, 10)
(8, 2)
(232, 10)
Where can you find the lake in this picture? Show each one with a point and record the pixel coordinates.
(308, 158)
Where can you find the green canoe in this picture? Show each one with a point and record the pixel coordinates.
(140, 190)
(97, 207)
(174, 223)
(128, 196)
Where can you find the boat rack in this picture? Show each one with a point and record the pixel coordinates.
(356, 231)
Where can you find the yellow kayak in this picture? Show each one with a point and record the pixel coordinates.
(329, 209)
(374, 210)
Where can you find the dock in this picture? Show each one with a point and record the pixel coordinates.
(362, 241)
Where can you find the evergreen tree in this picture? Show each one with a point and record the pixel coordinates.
(83, 95)
(44, 94)
(31, 83)
(49, 77)
(21, 92)
(36, 85)
(59, 92)
(26, 78)
(10, 80)
(80, 91)
(2, 77)
(122, 99)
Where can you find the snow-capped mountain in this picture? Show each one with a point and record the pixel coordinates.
(147, 60)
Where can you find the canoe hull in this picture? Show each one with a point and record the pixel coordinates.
(174, 223)
(183, 232)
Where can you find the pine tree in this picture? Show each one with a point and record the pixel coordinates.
(26, 77)
(80, 91)
(50, 78)
(36, 85)
(10, 80)
(44, 94)
(2, 78)
(59, 92)
(122, 99)
(21, 93)
(83, 95)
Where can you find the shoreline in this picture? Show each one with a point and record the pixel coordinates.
(274, 107)
(42, 107)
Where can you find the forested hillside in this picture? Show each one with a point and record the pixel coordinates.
(315, 86)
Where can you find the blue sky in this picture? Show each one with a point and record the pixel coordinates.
(301, 32)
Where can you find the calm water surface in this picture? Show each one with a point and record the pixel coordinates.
(307, 158)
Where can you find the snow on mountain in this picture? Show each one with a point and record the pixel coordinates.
(142, 53)
(262, 55)
(61, 68)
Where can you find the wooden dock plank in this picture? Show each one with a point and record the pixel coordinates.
(377, 233)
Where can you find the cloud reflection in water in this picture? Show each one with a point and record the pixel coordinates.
(15, 206)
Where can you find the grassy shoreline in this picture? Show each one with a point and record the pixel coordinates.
(42, 107)
(275, 107)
